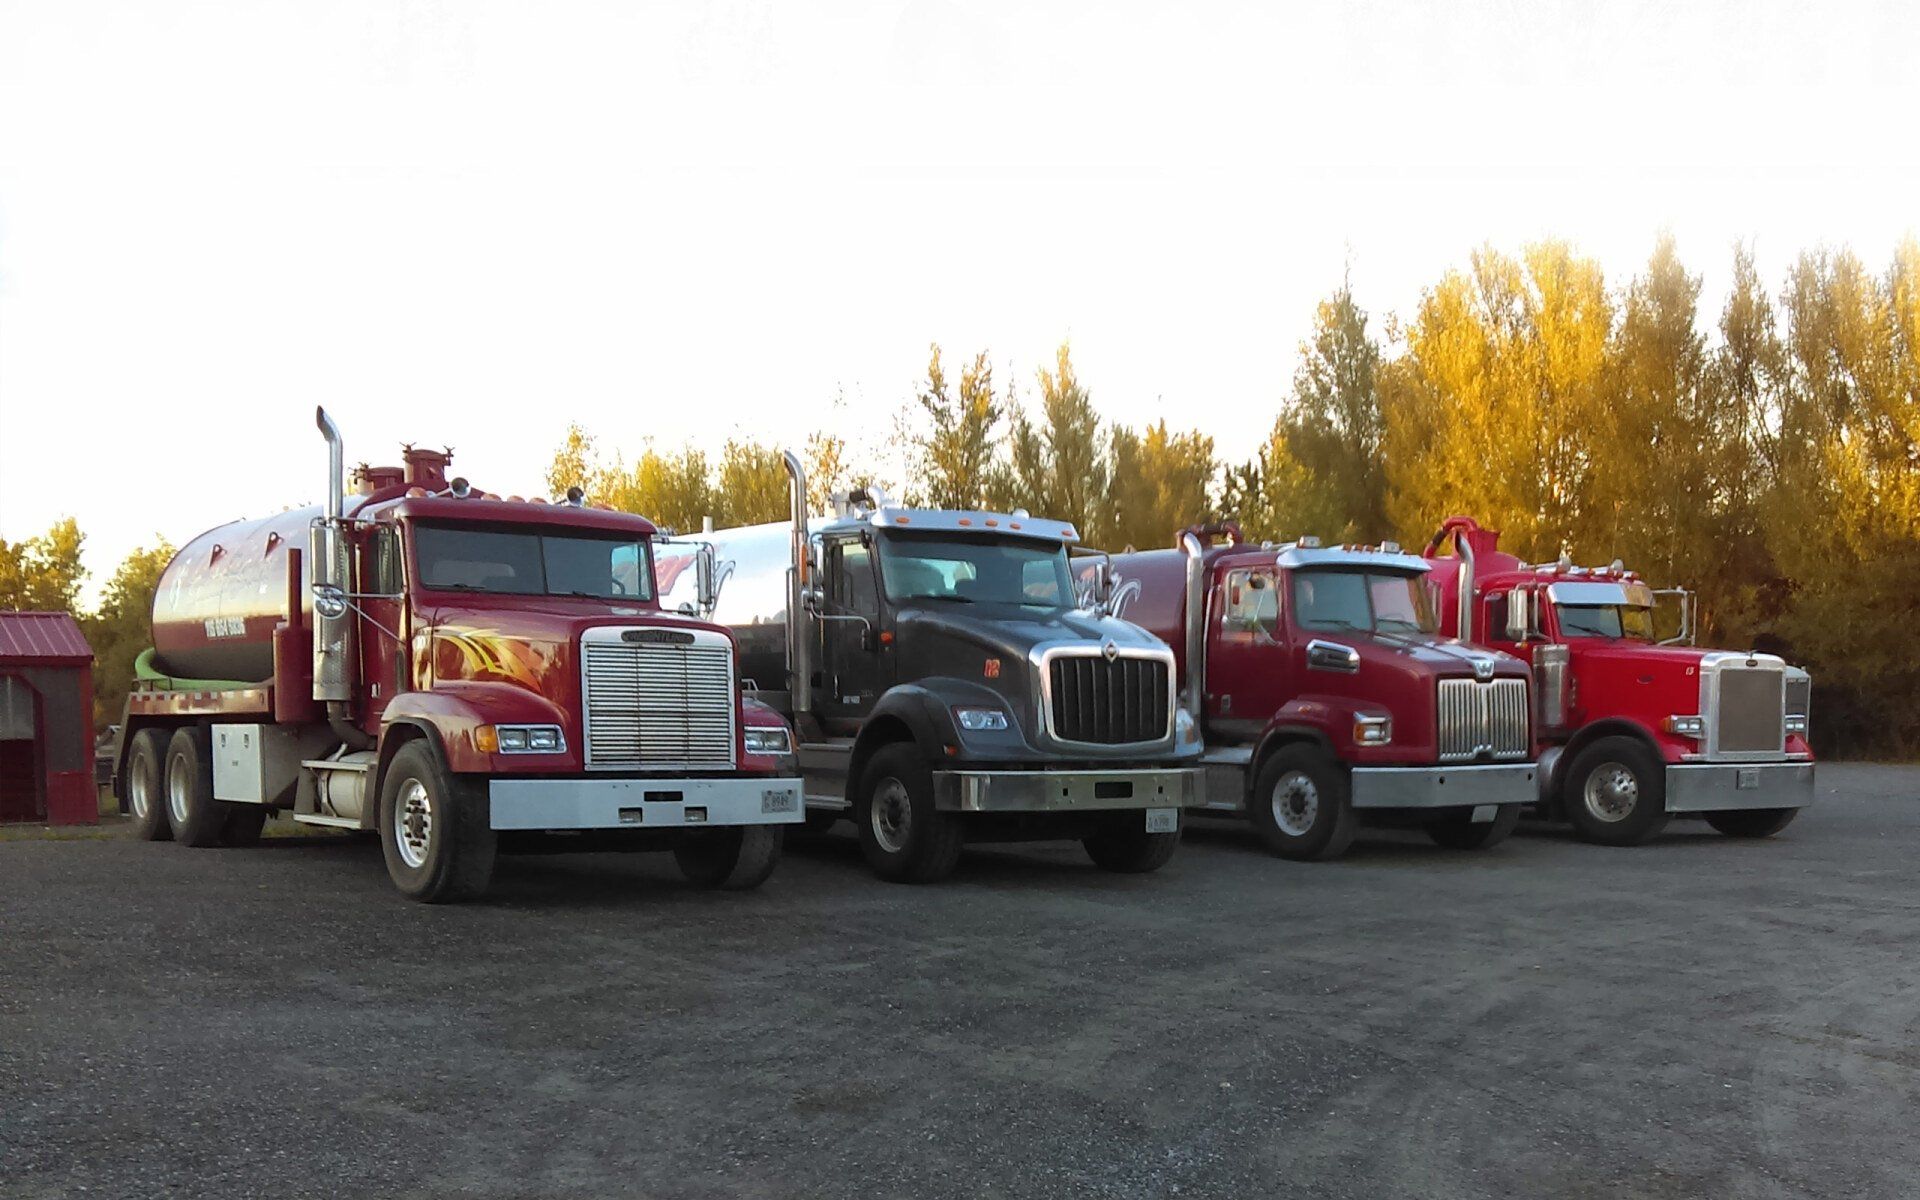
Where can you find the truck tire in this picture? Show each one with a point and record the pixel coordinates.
(1301, 805)
(196, 817)
(1457, 832)
(1615, 792)
(1753, 822)
(144, 782)
(244, 823)
(1126, 848)
(733, 860)
(433, 830)
(903, 837)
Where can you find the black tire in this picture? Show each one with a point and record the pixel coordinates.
(902, 836)
(1126, 848)
(1615, 792)
(244, 823)
(1319, 821)
(1459, 833)
(197, 818)
(143, 780)
(448, 850)
(733, 860)
(1753, 822)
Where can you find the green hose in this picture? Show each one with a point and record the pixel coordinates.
(144, 672)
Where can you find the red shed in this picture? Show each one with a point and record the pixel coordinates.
(46, 720)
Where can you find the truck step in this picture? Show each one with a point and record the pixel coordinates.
(329, 822)
(335, 764)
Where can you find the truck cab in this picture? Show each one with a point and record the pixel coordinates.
(1632, 730)
(1326, 694)
(947, 684)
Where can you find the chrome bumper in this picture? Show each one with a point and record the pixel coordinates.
(642, 803)
(1723, 787)
(1069, 791)
(1443, 787)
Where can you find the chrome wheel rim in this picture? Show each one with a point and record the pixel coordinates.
(179, 788)
(891, 815)
(413, 823)
(140, 788)
(1611, 792)
(1296, 802)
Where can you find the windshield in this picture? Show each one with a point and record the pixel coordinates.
(1606, 621)
(975, 570)
(461, 558)
(1375, 601)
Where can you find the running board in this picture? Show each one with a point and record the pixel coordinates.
(328, 822)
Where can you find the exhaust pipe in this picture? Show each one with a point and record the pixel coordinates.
(799, 669)
(1463, 572)
(331, 573)
(336, 463)
(1196, 624)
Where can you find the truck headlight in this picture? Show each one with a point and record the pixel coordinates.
(1372, 730)
(1797, 723)
(1687, 727)
(768, 740)
(519, 739)
(975, 720)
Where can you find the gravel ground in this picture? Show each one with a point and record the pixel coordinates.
(1697, 1017)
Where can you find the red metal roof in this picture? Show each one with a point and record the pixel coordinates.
(42, 637)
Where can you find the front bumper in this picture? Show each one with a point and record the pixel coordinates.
(1725, 787)
(1069, 791)
(643, 803)
(1444, 787)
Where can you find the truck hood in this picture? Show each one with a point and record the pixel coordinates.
(1426, 654)
(531, 645)
(1011, 630)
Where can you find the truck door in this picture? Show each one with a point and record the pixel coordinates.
(1246, 663)
(383, 640)
(849, 635)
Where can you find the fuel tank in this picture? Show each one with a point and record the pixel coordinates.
(221, 596)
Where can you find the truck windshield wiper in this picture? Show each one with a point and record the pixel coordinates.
(939, 596)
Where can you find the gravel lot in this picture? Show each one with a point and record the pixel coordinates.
(1695, 1017)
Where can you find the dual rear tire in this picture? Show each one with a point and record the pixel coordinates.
(169, 789)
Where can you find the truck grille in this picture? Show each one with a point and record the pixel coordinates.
(657, 705)
(1483, 720)
(1751, 707)
(1113, 703)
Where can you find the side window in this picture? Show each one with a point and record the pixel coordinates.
(1496, 630)
(853, 588)
(384, 576)
(1252, 607)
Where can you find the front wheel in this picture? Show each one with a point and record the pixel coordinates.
(143, 782)
(434, 830)
(1126, 848)
(1753, 822)
(734, 860)
(903, 837)
(1462, 833)
(1616, 792)
(1301, 805)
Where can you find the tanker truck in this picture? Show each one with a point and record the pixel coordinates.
(448, 669)
(946, 686)
(1632, 731)
(1327, 696)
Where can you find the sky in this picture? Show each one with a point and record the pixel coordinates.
(470, 224)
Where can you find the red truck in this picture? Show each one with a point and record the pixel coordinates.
(1631, 732)
(446, 668)
(1326, 694)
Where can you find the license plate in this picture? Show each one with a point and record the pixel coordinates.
(1163, 820)
(779, 800)
(1746, 779)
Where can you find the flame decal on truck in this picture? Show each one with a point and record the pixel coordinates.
(488, 655)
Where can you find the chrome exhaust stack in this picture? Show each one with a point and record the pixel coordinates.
(1195, 628)
(1463, 575)
(799, 668)
(331, 572)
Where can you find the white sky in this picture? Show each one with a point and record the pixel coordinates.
(471, 223)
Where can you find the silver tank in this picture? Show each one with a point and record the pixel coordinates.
(221, 596)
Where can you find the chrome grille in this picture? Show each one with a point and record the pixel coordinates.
(1115, 703)
(1751, 711)
(657, 705)
(1483, 720)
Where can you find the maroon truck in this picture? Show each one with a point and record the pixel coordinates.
(1326, 694)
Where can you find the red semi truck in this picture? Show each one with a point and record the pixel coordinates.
(1325, 693)
(444, 667)
(1632, 732)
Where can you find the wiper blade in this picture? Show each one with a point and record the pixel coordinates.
(938, 596)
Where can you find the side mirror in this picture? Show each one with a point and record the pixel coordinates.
(329, 601)
(706, 588)
(1518, 624)
(811, 598)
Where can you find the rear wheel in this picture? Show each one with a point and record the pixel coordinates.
(903, 837)
(1753, 822)
(1460, 832)
(1125, 847)
(734, 860)
(143, 782)
(1615, 792)
(196, 817)
(433, 830)
(1301, 805)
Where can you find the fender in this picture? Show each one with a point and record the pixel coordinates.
(1586, 735)
(453, 710)
(915, 707)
